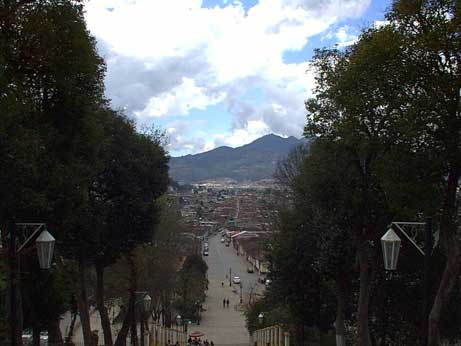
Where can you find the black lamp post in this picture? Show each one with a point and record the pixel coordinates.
(391, 245)
(145, 307)
(45, 247)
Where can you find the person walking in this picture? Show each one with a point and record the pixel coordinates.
(227, 302)
(224, 303)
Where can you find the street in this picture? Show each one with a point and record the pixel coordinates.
(226, 326)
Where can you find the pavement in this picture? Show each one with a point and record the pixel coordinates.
(226, 326)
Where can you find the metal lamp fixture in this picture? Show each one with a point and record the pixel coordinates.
(146, 302)
(45, 247)
(261, 318)
(390, 243)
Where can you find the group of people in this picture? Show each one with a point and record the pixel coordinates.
(199, 342)
(225, 303)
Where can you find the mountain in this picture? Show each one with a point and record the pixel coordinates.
(254, 161)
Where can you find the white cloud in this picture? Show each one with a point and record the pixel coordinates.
(380, 23)
(242, 136)
(180, 99)
(345, 37)
(167, 57)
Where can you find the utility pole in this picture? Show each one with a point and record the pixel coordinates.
(230, 277)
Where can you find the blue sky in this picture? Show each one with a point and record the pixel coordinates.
(213, 73)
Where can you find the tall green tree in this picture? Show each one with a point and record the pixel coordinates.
(393, 99)
(51, 84)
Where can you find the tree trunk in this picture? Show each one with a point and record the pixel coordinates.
(123, 333)
(70, 334)
(341, 290)
(364, 297)
(54, 333)
(448, 234)
(82, 302)
(105, 322)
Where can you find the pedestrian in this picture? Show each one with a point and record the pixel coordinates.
(227, 302)
(222, 283)
(211, 343)
(224, 303)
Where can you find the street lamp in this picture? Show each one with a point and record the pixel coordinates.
(145, 306)
(261, 318)
(146, 302)
(391, 244)
(44, 245)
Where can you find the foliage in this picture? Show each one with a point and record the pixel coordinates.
(191, 287)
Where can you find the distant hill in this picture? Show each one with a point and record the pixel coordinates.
(254, 161)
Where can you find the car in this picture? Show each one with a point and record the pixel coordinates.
(223, 240)
(227, 244)
(236, 280)
(268, 282)
(250, 270)
(261, 279)
(205, 253)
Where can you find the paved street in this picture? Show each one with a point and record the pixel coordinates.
(226, 326)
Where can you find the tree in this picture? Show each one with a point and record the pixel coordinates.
(191, 287)
(394, 94)
(122, 211)
(52, 87)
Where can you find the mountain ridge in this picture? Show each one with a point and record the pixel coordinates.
(250, 162)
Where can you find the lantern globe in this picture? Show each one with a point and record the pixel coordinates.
(390, 243)
(146, 302)
(260, 318)
(45, 247)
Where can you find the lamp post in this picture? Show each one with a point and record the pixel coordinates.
(178, 323)
(45, 246)
(144, 304)
(391, 245)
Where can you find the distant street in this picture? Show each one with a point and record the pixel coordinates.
(226, 326)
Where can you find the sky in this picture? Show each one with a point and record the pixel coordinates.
(219, 72)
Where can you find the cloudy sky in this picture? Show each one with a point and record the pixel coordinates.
(219, 72)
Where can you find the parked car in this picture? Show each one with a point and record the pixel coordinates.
(205, 253)
(236, 280)
(262, 280)
(250, 270)
(223, 240)
(227, 244)
(267, 282)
